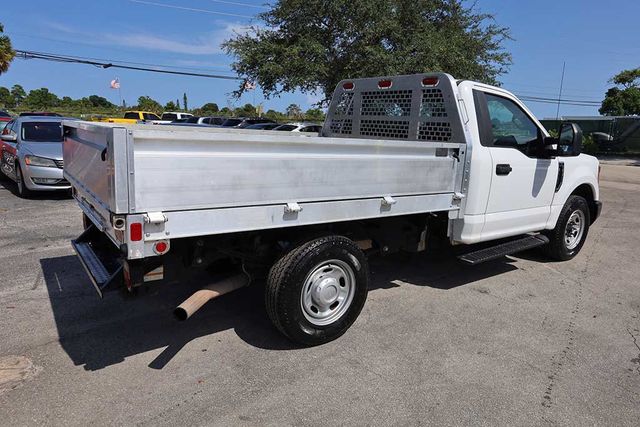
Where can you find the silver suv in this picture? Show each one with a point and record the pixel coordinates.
(31, 154)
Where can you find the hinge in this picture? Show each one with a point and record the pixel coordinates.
(388, 201)
(292, 207)
(155, 218)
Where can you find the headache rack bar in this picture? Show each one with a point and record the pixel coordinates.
(418, 107)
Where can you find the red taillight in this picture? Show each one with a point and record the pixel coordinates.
(429, 81)
(385, 84)
(348, 86)
(160, 247)
(135, 232)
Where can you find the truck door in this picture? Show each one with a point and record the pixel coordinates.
(523, 176)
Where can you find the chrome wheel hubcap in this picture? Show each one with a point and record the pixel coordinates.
(328, 292)
(574, 229)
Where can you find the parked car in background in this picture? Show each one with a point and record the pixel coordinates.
(31, 154)
(4, 114)
(216, 121)
(172, 116)
(40, 114)
(300, 127)
(243, 122)
(131, 117)
(198, 120)
(263, 126)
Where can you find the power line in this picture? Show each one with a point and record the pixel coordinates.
(190, 9)
(555, 102)
(224, 67)
(577, 101)
(25, 54)
(555, 95)
(240, 4)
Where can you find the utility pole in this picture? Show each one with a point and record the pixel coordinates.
(560, 94)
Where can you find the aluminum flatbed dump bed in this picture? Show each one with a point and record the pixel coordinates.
(236, 180)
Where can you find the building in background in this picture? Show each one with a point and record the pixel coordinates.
(610, 133)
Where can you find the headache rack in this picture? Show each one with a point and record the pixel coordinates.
(420, 107)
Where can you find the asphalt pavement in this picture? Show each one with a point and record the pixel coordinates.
(519, 341)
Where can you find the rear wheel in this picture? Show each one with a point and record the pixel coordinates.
(23, 191)
(315, 292)
(570, 233)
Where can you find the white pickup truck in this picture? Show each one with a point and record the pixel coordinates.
(400, 161)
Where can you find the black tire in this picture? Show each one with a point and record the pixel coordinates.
(23, 191)
(557, 248)
(287, 280)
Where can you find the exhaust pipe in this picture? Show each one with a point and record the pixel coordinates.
(209, 292)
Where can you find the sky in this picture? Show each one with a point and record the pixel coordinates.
(595, 40)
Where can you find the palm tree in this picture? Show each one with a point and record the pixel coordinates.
(6, 52)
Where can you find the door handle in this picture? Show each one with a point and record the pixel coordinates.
(503, 169)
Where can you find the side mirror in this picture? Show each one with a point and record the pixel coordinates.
(570, 140)
(9, 137)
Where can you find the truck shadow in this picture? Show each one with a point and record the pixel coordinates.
(99, 333)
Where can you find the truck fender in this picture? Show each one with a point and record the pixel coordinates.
(587, 188)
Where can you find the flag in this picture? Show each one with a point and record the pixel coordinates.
(249, 85)
(115, 83)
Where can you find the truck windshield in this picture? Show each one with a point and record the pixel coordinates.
(42, 131)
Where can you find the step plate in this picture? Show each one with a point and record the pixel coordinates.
(101, 277)
(508, 248)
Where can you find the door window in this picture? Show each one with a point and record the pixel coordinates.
(510, 125)
(7, 128)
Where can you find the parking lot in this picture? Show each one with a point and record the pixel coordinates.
(516, 341)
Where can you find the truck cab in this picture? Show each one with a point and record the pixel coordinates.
(518, 179)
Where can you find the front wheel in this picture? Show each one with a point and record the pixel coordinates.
(570, 233)
(315, 292)
(23, 191)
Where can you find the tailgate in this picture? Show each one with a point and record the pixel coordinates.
(95, 159)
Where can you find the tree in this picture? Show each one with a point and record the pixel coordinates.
(6, 100)
(314, 114)
(625, 101)
(67, 102)
(312, 45)
(41, 99)
(226, 112)
(6, 51)
(275, 115)
(146, 103)
(210, 108)
(184, 102)
(170, 106)
(247, 110)
(18, 94)
(293, 111)
(100, 102)
(177, 104)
